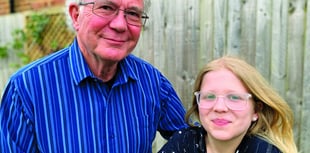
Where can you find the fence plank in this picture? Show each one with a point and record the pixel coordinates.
(219, 21)
(233, 27)
(263, 37)
(278, 45)
(248, 30)
(304, 133)
(295, 58)
(206, 42)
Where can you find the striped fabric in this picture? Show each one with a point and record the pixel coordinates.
(57, 105)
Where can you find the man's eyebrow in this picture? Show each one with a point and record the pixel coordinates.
(109, 3)
(136, 8)
(139, 9)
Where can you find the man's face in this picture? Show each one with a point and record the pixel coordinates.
(108, 39)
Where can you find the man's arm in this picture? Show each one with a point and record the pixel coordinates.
(173, 112)
(16, 127)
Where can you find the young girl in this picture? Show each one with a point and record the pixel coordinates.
(238, 112)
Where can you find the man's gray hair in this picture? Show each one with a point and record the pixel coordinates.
(147, 5)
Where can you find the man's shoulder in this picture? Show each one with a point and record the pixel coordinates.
(43, 62)
(138, 64)
(137, 60)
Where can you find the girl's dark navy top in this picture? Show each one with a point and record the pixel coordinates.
(192, 140)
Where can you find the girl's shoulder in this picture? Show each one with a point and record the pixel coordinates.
(256, 144)
(189, 140)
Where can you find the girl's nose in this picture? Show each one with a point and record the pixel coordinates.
(220, 104)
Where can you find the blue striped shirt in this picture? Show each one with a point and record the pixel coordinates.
(56, 104)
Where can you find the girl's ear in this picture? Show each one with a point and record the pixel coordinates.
(255, 117)
(258, 108)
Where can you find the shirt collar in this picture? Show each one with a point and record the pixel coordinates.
(126, 70)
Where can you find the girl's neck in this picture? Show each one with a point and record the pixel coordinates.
(216, 146)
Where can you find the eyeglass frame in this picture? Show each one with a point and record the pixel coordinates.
(198, 93)
(144, 16)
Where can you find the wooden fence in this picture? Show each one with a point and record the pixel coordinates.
(273, 35)
(8, 23)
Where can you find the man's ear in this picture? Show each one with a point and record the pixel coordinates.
(74, 14)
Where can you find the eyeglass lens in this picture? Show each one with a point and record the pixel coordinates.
(234, 101)
(108, 9)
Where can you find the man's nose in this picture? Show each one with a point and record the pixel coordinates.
(119, 21)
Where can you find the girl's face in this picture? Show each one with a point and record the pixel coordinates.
(221, 122)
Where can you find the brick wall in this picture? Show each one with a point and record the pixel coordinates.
(26, 5)
(4, 7)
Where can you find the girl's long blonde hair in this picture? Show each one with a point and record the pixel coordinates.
(275, 122)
